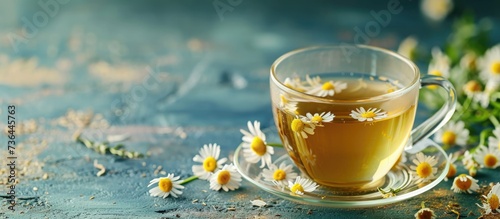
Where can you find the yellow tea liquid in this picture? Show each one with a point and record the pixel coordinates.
(346, 152)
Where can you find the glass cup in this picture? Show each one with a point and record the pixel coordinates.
(345, 113)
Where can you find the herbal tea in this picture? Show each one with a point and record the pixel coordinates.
(349, 143)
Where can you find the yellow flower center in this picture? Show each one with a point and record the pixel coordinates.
(279, 175)
(258, 146)
(223, 177)
(327, 86)
(436, 72)
(452, 171)
(317, 119)
(368, 114)
(495, 67)
(209, 164)
(165, 184)
(493, 201)
(297, 125)
(425, 214)
(449, 138)
(473, 86)
(463, 185)
(490, 160)
(424, 170)
(390, 90)
(297, 187)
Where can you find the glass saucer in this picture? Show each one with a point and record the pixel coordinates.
(399, 177)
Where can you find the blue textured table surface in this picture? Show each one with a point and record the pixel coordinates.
(172, 76)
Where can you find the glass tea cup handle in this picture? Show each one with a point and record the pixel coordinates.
(441, 117)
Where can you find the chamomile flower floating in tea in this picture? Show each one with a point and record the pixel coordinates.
(488, 157)
(368, 115)
(254, 145)
(452, 134)
(302, 185)
(425, 167)
(226, 178)
(491, 202)
(494, 141)
(281, 175)
(328, 88)
(302, 127)
(288, 105)
(464, 183)
(489, 64)
(318, 119)
(209, 157)
(169, 185)
(295, 84)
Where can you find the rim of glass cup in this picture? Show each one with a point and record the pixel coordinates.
(404, 90)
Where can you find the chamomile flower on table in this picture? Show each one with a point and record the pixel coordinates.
(425, 213)
(424, 168)
(302, 127)
(464, 183)
(328, 88)
(254, 145)
(494, 141)
(209, 157)
(319, 118)
(452, 171)
(368, 115)
(453, 133)
(302, 185)
(226, 179)
(491, 202)
(169, 185)
(280, 174)
(489, 64)
(488, 157)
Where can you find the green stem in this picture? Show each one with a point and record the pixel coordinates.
(422, 204)
(275, 144)
(494, 120)
(465, 106)
(188, 180)
(482, 137)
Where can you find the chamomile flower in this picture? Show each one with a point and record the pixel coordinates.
(468, 61)
(472, 88)
(226, 178)
(288, 105)
(464, 183)
(489, 64)
(491, 203)
(495, 141)
(439, 69)
(440, 59)
(436, 10)
(209, 157)
(452, 171)
(488, 157)
(302, 185)
(408, 47)
(368, 115)
(328, 88)
(281, 175)
(254, 145)
(302, 127)
(452, 134)
(318, 119)
(468, 160)
(314, 81)
(295, 84)
(425, 167)
(425, 213)
(169, 185)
